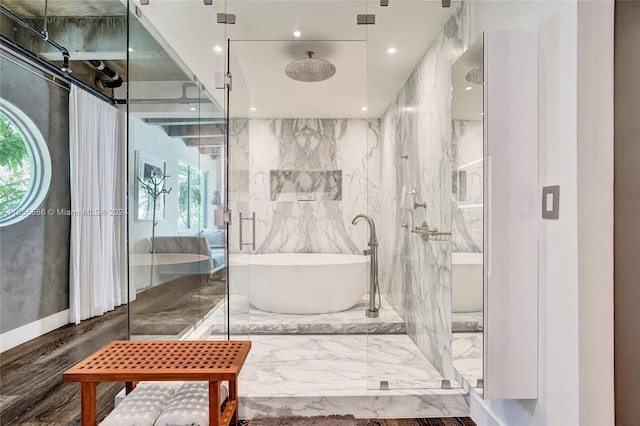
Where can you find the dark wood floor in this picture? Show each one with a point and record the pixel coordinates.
(31, 388)
(173, 308)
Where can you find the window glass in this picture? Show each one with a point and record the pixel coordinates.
(25, 166)
(16, 178)
(191, 205)
(195, 197)
(183, 196)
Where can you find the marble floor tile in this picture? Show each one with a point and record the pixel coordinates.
(312, 365)
(337, 370)
(341, 374)
(467, 356)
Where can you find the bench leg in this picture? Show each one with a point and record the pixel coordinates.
(129, 386)
(88, 403)
(214, 404)
(233, 396)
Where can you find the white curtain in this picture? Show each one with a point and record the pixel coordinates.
(97, 246)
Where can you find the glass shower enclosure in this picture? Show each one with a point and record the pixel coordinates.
(243, 175)
(176, 133)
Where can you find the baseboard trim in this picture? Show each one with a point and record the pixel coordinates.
(20, 335)
(479, 412)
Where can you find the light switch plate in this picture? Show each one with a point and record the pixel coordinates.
(551, 202)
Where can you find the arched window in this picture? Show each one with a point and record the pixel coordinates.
(25, 166)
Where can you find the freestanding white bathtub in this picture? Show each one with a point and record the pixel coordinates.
(467, 282)
(303, 283)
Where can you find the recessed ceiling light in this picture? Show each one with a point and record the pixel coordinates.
(252, 108)
(468, 88)
(192, 108)
(217, 48)
(392, 50)
(131, 49)
(297, 33)
(364, 109)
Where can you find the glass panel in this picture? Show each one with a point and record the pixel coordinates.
(467, 154)
(409, 176)
(242, 227)
(176, 128)
(205, 184)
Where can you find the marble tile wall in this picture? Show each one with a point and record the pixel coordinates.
(238, 182)
(467, 202)
(330, 155)
(415, 275)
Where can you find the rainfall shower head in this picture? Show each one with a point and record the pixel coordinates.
(310, 69)
(476, 75)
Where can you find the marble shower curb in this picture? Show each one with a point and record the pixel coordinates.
(417, 403)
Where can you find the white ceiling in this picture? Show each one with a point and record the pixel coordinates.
(263, 43)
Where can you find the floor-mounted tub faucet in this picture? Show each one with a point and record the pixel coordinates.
(372, 310)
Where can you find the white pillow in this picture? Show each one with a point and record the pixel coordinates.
(143, 405)
(189, 406)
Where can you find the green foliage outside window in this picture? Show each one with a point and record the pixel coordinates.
(183, 196)
(196, 210)
(15, 167)
(191, 206)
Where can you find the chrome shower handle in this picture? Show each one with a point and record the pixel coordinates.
(253, 231)
(240, 225)
(253, 225)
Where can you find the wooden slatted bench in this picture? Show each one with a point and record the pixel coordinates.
(134, 361)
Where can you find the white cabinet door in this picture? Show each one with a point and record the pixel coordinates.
(511, 215)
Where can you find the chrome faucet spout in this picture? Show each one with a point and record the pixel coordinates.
(373, 239)
(372, 311)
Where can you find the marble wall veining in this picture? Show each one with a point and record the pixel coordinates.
(415, 275)
(323, 167)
